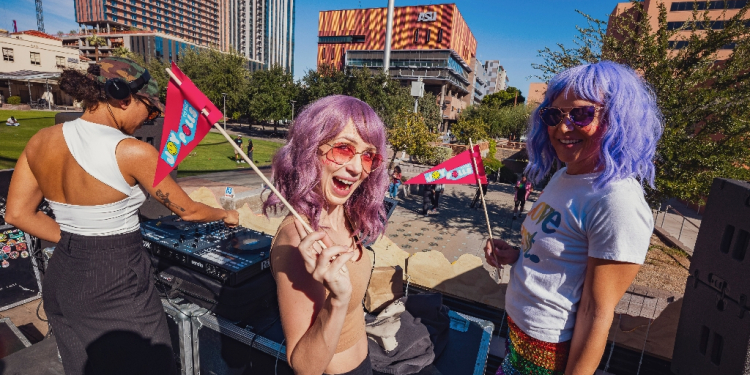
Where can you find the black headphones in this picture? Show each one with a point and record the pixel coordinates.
(118, 88)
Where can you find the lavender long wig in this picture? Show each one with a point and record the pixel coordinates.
(632, 119)
(297, 167)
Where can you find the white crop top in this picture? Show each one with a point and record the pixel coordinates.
(93, 147)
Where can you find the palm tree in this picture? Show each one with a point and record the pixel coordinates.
(96, 41)
(60, 34)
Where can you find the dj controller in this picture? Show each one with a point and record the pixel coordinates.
(230, 255)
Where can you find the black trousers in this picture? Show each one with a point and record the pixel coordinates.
(364, 368)
(105, 314)
(521, 203)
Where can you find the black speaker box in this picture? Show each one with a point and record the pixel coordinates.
(150, 133)
(235, 303)
(721, 254)
(713, 335)
(5, 176)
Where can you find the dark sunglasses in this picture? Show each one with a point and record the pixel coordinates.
(343, 153)
(580, 116)
(153, 111)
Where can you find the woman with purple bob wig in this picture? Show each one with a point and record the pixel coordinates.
(585, 238)
(331, 172)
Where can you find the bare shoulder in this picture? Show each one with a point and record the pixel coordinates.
(285, 255)
(43, 138)
(134, 149)
(46, 135)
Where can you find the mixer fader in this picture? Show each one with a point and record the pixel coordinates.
(230, 255)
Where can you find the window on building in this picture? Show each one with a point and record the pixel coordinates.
(703, 5)
(133, 9)
(427, 36)
(322, 54)
(8, 54)
(440, 36)
(416, 36)
(36, 58)
(332, 54)
(114, 18)
(133, 16)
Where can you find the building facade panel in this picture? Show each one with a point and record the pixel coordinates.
(414, 28)
(679, 12)
(195, 21)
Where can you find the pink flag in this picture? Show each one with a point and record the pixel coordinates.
(184, 124)
(456, 170)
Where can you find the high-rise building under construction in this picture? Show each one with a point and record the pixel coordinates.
(260, 30)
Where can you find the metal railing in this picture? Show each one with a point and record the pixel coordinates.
(673, 210)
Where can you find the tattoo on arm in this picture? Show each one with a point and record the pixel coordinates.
(164, 198)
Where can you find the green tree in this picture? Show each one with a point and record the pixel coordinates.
(123, 51)
(504, 121)
(410, 133)
(705, 103)
(320, 83)
(386, 96)
(475, 129)
(511, 96)
(430, 110)
(214, 73)
(96, 41)
(271, 92)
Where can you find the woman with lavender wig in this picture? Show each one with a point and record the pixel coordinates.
(331, 172)
(585, 238)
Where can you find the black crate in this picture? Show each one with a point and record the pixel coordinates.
(722, 250)
(713, 335)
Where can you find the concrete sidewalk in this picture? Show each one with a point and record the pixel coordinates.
(680, 222)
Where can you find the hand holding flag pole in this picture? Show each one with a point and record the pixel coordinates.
(252, 165)
(486, 216)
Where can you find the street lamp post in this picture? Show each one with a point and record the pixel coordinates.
(388, 34)
(292, 101)
(223, 94)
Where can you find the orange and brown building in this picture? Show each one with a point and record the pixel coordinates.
(680, 12)
(431, 42)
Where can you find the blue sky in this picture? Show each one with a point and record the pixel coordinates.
(507, 30)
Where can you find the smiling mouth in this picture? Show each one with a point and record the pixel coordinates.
(342, 184)
(570, 141)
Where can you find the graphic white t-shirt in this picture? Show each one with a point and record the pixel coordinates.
(570, 222)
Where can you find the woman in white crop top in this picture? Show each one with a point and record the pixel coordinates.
(98, 294)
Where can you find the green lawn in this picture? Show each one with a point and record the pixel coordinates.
(14, 138)
(213, 154)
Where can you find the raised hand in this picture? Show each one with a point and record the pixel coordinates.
(327, 266)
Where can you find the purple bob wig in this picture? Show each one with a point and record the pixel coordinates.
(632, 119)
(297, 167)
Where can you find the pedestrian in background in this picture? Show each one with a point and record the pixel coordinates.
(523, 190)
(250, 149)
(428, 197)
(238, 141)
(395, 182)
(475, 202)
(439, 188)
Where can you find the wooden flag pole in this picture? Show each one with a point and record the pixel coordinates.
(484, 205)
(255, 168)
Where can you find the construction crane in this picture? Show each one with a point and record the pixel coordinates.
(39, 16)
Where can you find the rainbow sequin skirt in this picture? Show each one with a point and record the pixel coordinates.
(529, 356)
